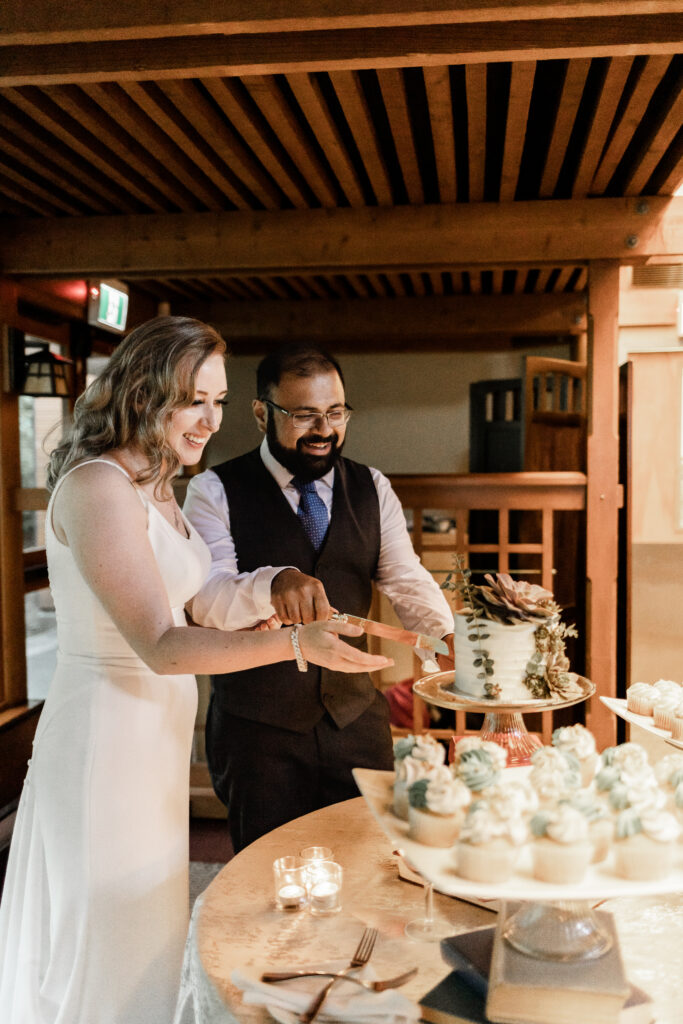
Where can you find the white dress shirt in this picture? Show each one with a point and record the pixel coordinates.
(230, 599)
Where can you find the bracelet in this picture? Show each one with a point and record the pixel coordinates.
(301, 662)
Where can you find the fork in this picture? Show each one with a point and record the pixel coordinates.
(372, 986)
(359, 959)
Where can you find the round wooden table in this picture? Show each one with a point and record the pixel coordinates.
(237, 925)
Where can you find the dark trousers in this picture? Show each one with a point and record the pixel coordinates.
(267, 776)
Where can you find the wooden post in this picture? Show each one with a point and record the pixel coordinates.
(12, 630)
(602, 495)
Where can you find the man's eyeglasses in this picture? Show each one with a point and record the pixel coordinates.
(306, 420)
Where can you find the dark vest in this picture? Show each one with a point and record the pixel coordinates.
(266, 531)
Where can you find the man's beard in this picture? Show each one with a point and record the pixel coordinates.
(302, 464)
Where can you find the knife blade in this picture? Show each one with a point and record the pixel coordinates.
(401, 636)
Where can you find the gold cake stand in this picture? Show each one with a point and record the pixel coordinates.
(503, 723)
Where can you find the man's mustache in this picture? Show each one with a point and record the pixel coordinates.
(316, 439)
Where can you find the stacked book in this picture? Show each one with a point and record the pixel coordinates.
(492, 982)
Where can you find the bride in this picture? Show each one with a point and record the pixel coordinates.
(95, 906)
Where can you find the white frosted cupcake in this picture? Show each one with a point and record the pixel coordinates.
(677, 724)
(669, 774)
(512, 799)
(415, 757)
(641, 698)
(645, 844)
(437, 807)
(664, 710)
(489, 843)
(667, 686)
(554, 775)
(600, 822)
(628, 756)
(561, 848)
(677, 809)
(577, 740)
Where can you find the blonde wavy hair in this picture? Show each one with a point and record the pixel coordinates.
(150, 375)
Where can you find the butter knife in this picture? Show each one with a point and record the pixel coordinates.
(401, 636)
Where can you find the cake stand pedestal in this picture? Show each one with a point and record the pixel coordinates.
(503, 722)
(565, 931)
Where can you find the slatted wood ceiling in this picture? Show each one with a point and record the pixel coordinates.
(86, 129)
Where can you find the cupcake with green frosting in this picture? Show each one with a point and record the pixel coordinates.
(580, 743)
(437, 806)
(600, 822)
(645, 844)
(480, 767)
(415, 757)
(490, 842)
(561, 846)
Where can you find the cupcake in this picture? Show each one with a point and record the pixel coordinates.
(640, 698)
(645, 844)
(415, 757)
(630, 789)
(498, 754)
(437, 807)
(600, 822)
(489, 843)
(669, 774)
(577, 740)
(678, 807)
(554, 775)
(629, 756)
(667, 686)
(479, 768)
(512, 799)
(677, 724)
(664, 710)
(561, 848)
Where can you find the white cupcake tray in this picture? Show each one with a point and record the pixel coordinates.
(439, 865)
(620, 707)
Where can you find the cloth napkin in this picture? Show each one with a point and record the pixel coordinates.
(346, 1001)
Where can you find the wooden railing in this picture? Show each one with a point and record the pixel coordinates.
(457, 496)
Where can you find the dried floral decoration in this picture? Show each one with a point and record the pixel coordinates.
(511, 602)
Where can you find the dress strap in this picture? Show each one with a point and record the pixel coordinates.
(87, 462)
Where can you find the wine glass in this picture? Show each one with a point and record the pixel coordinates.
(428, 928)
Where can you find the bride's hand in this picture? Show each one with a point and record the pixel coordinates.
(321, 645)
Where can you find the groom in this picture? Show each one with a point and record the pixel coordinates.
(297, 530)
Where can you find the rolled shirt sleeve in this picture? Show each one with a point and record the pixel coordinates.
(412, 590)
(228, 599)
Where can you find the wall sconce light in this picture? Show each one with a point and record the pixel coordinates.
(37, 371)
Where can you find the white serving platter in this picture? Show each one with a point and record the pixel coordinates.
(438, 865)
(619, 707)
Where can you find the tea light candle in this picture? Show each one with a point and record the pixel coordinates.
(324, 896)
(324, 887)
(290, 883)
(291, 896)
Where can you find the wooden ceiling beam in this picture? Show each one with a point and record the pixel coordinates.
(428, 319)
(395, 240)
(43, 21)
(341, 49)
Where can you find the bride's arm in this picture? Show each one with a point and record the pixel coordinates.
(101, 518)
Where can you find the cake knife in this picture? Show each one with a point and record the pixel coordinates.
(401, 636)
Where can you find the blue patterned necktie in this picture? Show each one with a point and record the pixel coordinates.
(312, 512)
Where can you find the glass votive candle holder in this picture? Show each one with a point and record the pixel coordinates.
(290, 883)
(313, 853)
(325, 887)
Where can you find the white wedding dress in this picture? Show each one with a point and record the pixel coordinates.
(95, 908)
